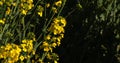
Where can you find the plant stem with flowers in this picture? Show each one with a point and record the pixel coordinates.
(20, 41)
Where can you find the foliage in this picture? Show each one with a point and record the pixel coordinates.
(92, 32)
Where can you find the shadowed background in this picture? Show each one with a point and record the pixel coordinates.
(90, 35)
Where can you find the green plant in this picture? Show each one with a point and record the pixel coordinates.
(20, 39)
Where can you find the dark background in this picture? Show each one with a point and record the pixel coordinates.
(90, 34)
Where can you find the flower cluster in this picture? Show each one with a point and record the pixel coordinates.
(27, 45)
(57, 27)
(25, 6)
(10, 53)
(20, 39)
(56, 33)
(53, 38)
(40, 10)
(27, 48)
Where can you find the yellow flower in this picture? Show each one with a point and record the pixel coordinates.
(48, 5)
(12, 53)
(54, 10)
(10, 61)
(40, 61)
(49, 56)
(22, 58)
(40, 13)
(29, 1)
(55, 61)
(62, 35)
(8, 11)
(63, 21)
(24, 12)
(27, 57)
(58, 43)
(14, 4)
(8, 3)
(55, 32)
(48, 37)
(2, 21)
(1, 3)
(8, 47)
(58, 3)
(54, 45)
(30, 6)
(33, 52)
(24, 41)
(58, 39)
(45, 43)
(24, 47)
(46, 49)
(34, 39)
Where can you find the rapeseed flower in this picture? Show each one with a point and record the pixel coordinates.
(46, 49)
(10, 52)
(1, 3)
(40, 13)
(54, 45)
(2, 21)
(54, 9)
(24, 12)
(8, 11)
(22, 58)
(48, 5)
(58, 3)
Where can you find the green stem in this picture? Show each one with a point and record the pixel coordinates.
(64, 1)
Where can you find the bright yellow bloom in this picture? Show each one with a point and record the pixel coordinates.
(45, 43)
(63, 21)
(40, 13)
(30, 6)
(10, 52)
(58, 3)
(8, 11)
(2, 21)
(24, 47)
(55, 32)
(24, 41)
(48, 37)
(22, 58)
(46, 49)
(54, 45)
(24, 12)
(55, 61)
(58, 39)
